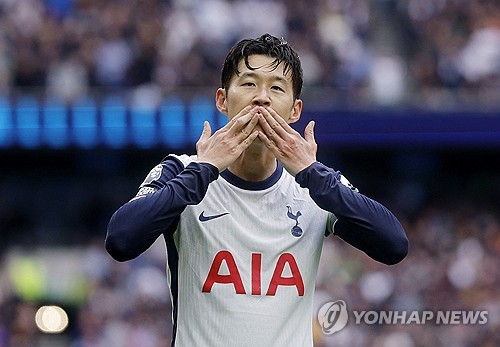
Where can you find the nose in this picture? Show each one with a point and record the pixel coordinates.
(261, 98)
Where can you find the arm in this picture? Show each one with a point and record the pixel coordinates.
(136, 225)
(362, 222)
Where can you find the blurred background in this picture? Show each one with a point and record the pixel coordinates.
(93, 94)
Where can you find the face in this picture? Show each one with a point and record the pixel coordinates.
(265, 86)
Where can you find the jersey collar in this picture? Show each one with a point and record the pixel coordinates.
(250, 185)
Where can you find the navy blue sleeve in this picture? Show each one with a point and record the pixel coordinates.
(136, 225)
(362, 222)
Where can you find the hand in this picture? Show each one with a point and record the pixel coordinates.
(223, 147)
(293, 151)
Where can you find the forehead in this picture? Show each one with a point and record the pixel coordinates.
(264, 65)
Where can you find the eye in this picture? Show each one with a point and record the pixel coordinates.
(248, 84)
(278, 88)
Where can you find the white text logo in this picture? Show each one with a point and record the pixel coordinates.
(333, 316)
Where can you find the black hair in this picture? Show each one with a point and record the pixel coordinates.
(266, 45)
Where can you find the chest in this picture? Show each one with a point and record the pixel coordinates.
(275, 220)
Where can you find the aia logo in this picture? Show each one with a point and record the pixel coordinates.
(333, 316)
(253, 285)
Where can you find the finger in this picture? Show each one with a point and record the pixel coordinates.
(271, 127)
(276, 120)
(244, 112)
(241, 120)
(248, 141)
(268, 142)
(207, 131)
(309, 132)
(247, 130)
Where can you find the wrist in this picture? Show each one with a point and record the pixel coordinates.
(209, 162)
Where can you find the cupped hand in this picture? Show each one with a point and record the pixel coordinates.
(224, 146)
(293, 151)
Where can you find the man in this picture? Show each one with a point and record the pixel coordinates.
(244, 219)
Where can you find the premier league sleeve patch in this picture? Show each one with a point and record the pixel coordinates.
(348, 184)
(146, 186)
(153, 175)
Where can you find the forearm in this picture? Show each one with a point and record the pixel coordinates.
(362, 222)
(137, 224)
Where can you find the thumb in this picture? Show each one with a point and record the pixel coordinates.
(309, 132)
(207, 131)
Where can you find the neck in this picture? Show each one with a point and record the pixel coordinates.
(255, 164)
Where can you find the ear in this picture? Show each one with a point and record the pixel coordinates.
(221, 100)
(296, 111)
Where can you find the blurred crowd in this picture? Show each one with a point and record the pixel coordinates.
(452, 265)
(52, 253)
(383, 52)
(387, 52)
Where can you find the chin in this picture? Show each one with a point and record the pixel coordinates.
(257, 144)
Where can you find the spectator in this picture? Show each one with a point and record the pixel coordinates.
(130, 43)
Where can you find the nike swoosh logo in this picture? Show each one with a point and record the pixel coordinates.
(204, 218)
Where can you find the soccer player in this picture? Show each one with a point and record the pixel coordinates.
(245, 218)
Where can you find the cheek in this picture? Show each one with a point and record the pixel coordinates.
(286, 112)
(236, 103)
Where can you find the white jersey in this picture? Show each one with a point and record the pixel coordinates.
(243, 263)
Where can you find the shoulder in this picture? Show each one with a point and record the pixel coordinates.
(167, 169)
(184, 159)
(179, 161)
